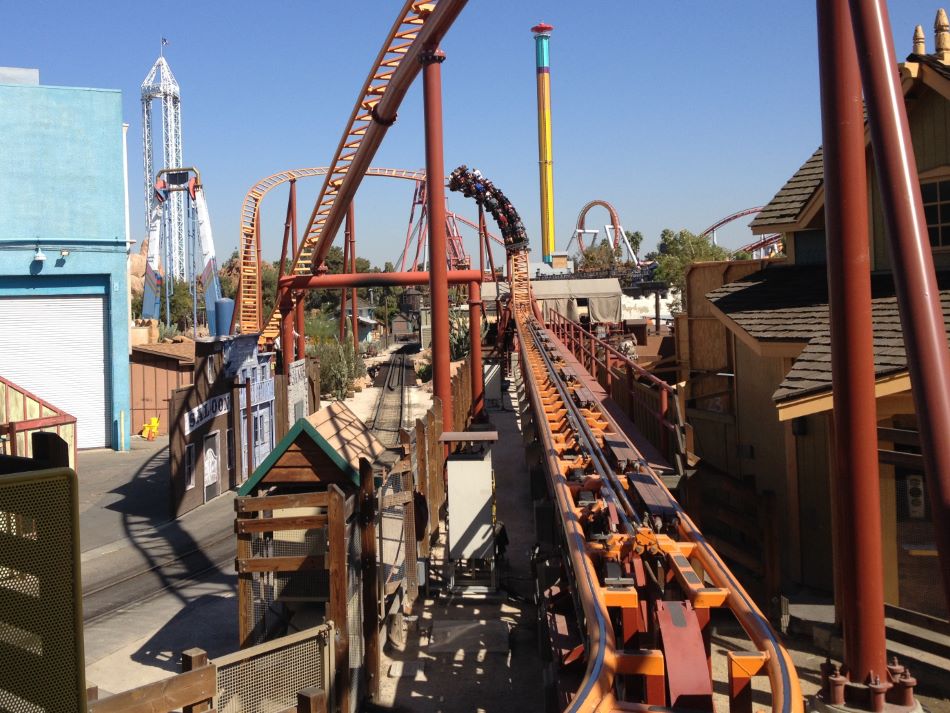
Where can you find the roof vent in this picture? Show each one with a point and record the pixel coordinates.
(942, 36)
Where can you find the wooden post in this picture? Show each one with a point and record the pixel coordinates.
(312, 700)
(249, 428)
(367, 522)
(190, 660)
(245, 590)
(336, 609)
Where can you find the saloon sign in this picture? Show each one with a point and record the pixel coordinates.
(215, 406)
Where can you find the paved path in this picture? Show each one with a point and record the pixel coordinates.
(152, 586)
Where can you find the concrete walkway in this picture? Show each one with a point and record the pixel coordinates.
(479, 656)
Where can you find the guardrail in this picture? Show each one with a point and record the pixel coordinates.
(651, 403)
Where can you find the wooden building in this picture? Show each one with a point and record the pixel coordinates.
(307, 548)
(156, 370)
(211, 425)
(758, 363)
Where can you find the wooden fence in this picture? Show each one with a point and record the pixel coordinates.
(249, 678)
(742, 525)
(427, 455)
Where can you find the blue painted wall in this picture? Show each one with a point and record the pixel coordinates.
(62, 187)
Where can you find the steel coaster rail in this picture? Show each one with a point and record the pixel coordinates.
(247, 309)
(583, 432)
(596, 689)
(419, 27)
(595, 618)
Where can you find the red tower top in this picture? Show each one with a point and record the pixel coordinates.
(542, 27)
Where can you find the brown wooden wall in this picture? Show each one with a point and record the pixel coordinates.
(929, 118)
(152, 379)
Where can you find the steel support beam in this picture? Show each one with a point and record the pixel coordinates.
(435, 204)
(354, 305)
(858, 502)
(375, 279)
(918, 298)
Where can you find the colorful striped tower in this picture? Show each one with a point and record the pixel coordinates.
(542, 36)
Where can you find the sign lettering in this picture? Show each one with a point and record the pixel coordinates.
(205, 412)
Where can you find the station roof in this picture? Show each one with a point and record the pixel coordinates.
(554, 289)
(789, 304)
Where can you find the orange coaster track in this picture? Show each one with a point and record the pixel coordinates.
(420, 26)
(628, 615)
(248, 308)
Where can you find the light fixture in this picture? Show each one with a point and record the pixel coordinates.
(64, 253)
(39, 255)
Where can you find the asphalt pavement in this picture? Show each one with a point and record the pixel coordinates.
(152, 585)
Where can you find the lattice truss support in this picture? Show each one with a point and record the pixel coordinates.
(160, 84)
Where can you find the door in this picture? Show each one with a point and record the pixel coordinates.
(58, 348)
(212, 465)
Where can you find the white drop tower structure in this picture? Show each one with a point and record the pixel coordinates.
(160, 84)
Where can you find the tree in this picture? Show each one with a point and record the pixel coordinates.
(635, 238)
(600, 256)
(677, 251)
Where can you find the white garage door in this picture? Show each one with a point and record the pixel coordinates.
(56, 347)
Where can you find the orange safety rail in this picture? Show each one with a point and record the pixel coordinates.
(419, 27)
(247, 312)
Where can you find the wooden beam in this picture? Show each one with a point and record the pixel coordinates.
(336, 609)
(914, 461)
(901, 436)
(166, 695)
(192, 659)
(275, 524)
(280, 564)
(279, 502)
(367, 520)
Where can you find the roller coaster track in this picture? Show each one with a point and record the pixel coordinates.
(419, 27)
(630, 574)
(249, 292)
(614, 220)
(635, 562)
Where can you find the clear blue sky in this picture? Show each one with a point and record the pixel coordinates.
(678, 113)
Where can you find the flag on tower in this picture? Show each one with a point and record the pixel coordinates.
(164, 42)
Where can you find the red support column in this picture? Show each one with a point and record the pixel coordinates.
(354, 303)
(917, 295)
(287, 342)
(856, 474)
(343, 292)
(300, 327)
(475, 334)
(435, 202)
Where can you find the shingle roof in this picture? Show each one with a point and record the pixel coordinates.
(942, 69)
(790, 304)
(791, 199)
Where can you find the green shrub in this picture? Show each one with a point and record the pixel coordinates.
(340, 366)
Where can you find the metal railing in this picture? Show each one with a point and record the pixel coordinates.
(651, 403)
